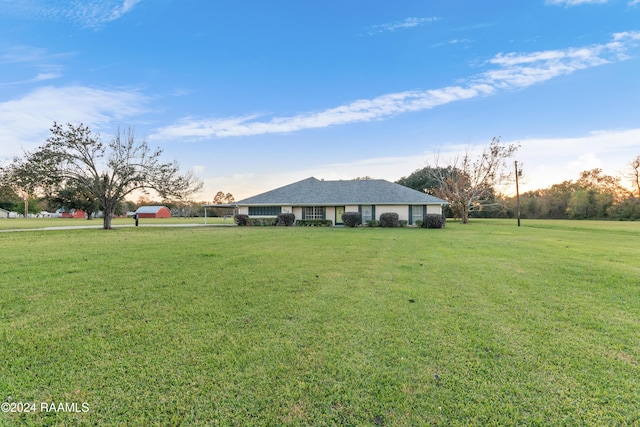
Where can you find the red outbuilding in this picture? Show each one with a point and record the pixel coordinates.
(74, 213)
(153, 212)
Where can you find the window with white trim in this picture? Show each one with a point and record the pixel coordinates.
(367, 213)
(313, 212)
(417, 213)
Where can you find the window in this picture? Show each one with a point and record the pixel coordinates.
(313, 212)
(417, 214)
(367, 213)
(264, 210)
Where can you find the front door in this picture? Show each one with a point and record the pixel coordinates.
(339, 212)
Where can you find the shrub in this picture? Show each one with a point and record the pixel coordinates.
(241, 219)
(434, 221)
(372, 223)
(389, 219)
(352, 219)
(314, 223)
(418, 223)
(286, 219)
(261, 222)
(403, 223)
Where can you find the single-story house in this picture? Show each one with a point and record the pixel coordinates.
(153, 212)
(4, 213)
(312, 198)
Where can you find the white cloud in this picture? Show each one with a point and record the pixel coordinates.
(513, 71)
(87, 13)
(29, 58)
(357, 111)
(393, 26)
(24, 122)
(575, 2)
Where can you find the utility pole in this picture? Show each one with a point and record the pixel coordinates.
(518, 172)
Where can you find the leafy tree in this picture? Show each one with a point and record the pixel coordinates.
(75, 196)
(595, 180)
(33, 206)
(468, 183)
(221, 198)
(109, 171)
(423, 179)
(628, 209)
(555, 200)
(9, 199)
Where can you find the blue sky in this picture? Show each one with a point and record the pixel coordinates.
(252, 95)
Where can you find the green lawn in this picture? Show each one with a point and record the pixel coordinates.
(32, 223)
(483, 324)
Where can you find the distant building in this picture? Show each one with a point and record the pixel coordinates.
(153, 212)
(4, 213)
(71, 213)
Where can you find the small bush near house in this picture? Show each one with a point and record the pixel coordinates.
(418, 223)
(241, 219)
(372, 223)
(286, 219)
(314, 223)
(352, 219)
(434, 221)
(261, 222)
(389, 219)
(403, 222)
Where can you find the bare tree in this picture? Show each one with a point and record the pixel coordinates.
(73, 155)
(468, 183)
(634, 175)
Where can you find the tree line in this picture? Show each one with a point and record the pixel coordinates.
(593, 195)
(75, 169)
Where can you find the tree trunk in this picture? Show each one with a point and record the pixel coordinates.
(106, 224)
(464, 215)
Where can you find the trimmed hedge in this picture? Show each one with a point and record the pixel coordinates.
(373, 223)
(352, 219)
(389, 219)
(434, 221)
(286, 219)
(246, 221)
(241, 219)
(262, 222)
(314, 223)
(403, 223)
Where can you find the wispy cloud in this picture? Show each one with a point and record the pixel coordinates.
(38, 78)
(452, 42)
(393, 26)
(510, 71)
(24, 122)
(33, 60)
(87, 13)
(574, 2)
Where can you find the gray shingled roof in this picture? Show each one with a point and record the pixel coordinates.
(312, 191)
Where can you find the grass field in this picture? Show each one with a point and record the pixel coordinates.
(483, 324)
(33, 223)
